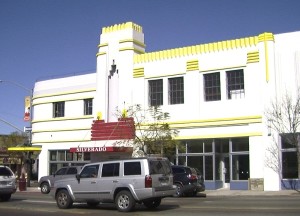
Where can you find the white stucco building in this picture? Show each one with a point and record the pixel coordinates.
(216, 95)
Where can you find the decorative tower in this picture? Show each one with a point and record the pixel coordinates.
(118, 45)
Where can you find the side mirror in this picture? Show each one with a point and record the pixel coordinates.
(78, 177)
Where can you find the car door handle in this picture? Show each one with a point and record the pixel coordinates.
(115, 181)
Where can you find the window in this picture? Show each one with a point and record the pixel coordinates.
(110, 169)
(176, 90)
(89, 171)
(212, 87)
(132, 168)
(58, 109)
(289, 155)
(235, 84)
(156, 92)
(88, 106)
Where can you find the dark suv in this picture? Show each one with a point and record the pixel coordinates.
(189, 181)
(46, 182)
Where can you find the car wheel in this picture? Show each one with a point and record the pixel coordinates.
(45, 188)
(153, 203)
(92, 204)
(5, 197)
(63, 199)
(178, 192)
(124, 201)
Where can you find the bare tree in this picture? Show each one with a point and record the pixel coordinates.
(283, 117)
(153, 134)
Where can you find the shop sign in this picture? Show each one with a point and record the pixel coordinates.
(101, 149)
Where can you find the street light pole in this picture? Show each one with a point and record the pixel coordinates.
(29, 168)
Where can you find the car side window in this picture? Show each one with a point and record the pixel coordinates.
(61, 171)
(90, 171)
(132, 168)
(110, 169)
(72, 170)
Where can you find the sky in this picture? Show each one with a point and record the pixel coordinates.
(44, 39)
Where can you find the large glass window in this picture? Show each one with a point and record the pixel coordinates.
(235, 84)
(156, 92)
(289, 156)
(212, 87)
(58, 109)
(240, 167)
(88, 106)
(110, 169)
(176, 90)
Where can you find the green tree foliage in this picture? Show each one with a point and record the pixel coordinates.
(153, 134)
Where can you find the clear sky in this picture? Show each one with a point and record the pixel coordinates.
(47, 38)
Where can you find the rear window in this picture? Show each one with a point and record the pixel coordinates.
(5, 172)
(132, 168)
(160, 167)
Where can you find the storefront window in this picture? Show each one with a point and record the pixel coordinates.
(240, 167)
(61, 155)
(289, 165)
(208, 175)
(240, 144)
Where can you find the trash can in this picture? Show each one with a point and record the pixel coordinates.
(22, 184)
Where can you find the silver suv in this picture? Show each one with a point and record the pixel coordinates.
(123, 182)
(46, 182)
(7, 183)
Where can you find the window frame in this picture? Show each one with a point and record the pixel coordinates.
(212, 86)
(235, 84)
(176, 90)
(88, 106)
(58, 109)
(155, 92)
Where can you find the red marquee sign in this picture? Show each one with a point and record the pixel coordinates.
(101, 149)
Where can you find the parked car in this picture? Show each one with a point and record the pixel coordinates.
(8, 184)
(123, 182)
(187, 180)
(46, 182)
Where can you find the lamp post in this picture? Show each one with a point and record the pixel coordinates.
(30, 91)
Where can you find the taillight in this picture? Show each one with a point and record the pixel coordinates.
(192, 177)
(148, 181)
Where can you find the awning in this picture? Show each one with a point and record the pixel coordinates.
(25, 148)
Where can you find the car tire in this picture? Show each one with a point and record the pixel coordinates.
(45, 188)
(5, 197)
(152, 203)
(179, 192)
(124, 201)
(63, 199)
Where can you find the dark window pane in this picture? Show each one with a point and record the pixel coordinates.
(208, 168)
(88, 106)
(212, 87)
(240, 144)
(156, 92)
(240, 167)
(176, 90)
(289, 165)
(132, 168)
(111, 169)
(235, 84)
(58, 109)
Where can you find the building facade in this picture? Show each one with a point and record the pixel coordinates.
(216, 95)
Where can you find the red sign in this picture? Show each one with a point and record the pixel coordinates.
(101, 149)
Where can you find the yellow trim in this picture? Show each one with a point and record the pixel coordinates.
(103, 45)
(60, 141)
(62, 129)
(136, 42)
(211, 136)
(225, 68)
(131, 48)
(197, 49)
(265, 37)
(64, 93)
(252, 57)
(138, 72)
(61, 99)
(24, 148)
(192, 65)
(100, 53)
(165, 75)
(62, 119)
(123, 26)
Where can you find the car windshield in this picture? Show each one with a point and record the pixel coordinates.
(5, 172)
